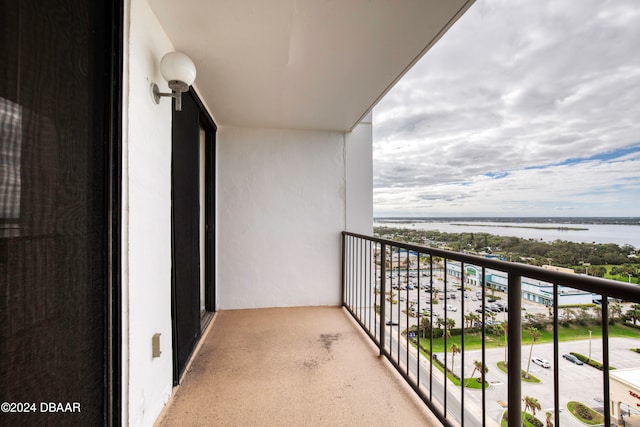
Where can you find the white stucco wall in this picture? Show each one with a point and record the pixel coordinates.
(146, 216)
(281, 208)
(283, 197)
(359, 178)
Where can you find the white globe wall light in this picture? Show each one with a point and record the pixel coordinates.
(180, 72)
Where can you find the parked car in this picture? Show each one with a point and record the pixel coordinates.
(541, 362)
(572, 358)
(451, 308)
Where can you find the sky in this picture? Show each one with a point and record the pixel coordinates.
(523, 108)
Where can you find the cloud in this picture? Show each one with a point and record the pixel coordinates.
(528, 107)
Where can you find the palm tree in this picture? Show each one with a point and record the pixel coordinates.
(479, 366)
(469, 319)
(548, 421)
(491, 315)
(499, 332)
(449, 324)
(534, 334)
(425, 326)
(454, 350)
(531, 403)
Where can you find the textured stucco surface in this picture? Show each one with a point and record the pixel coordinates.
(304, 366)
(146, 223)
(281, 208)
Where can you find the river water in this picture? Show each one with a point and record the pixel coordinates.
(588, 233)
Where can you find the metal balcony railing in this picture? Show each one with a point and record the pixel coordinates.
(396, 291)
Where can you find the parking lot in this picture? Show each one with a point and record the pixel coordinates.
(582, 383)
(454, 304)
(576, 382)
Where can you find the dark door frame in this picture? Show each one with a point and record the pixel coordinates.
(113, 147)
(206, 122)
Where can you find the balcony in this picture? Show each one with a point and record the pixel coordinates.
(318, 364)
(291, 366)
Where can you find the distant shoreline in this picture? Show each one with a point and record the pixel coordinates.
(529, 220)
(523, 226)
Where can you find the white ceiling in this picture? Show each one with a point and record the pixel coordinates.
(301, 64)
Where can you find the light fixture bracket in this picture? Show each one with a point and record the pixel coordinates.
(176, 86)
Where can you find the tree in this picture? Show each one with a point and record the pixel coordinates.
(449, 324)
(534, 334)
(479, 366)
(531, 403)
(499, 332)
(548, 421)
(598, 313)
(568, 314)
(468, 318)
(634, 313)
(454, 350)
(425, 326)
(616, 310)
(492, 317)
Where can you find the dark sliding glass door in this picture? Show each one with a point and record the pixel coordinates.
(193, 207)
(55, 145)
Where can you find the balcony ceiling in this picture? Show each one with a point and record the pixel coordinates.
(301, 64)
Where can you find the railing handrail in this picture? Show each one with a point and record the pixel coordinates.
(605, 287)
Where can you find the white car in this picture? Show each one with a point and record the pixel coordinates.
(541, 362)
(451, 308)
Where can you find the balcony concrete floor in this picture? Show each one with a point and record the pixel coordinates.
(306, 366)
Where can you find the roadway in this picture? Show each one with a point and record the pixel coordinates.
(582, 383)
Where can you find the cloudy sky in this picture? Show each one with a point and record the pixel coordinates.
(523, 108)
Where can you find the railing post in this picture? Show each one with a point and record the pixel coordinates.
(514, 298)
(383, 291)
(344, 271)
(605, 359)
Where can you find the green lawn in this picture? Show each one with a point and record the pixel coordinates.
(570, 333)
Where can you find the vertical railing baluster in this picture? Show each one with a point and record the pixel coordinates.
(383, 290)
(482, 374)
(514, 393)
(605, 358)
(418, 317)
(399, 311)
(342, 267)
(360, 276)
(350, 270)
(444, 274)
(556, 357)
(462, 346)
(431, 328)
(407, 312)
(372, 283)
(376, 263)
